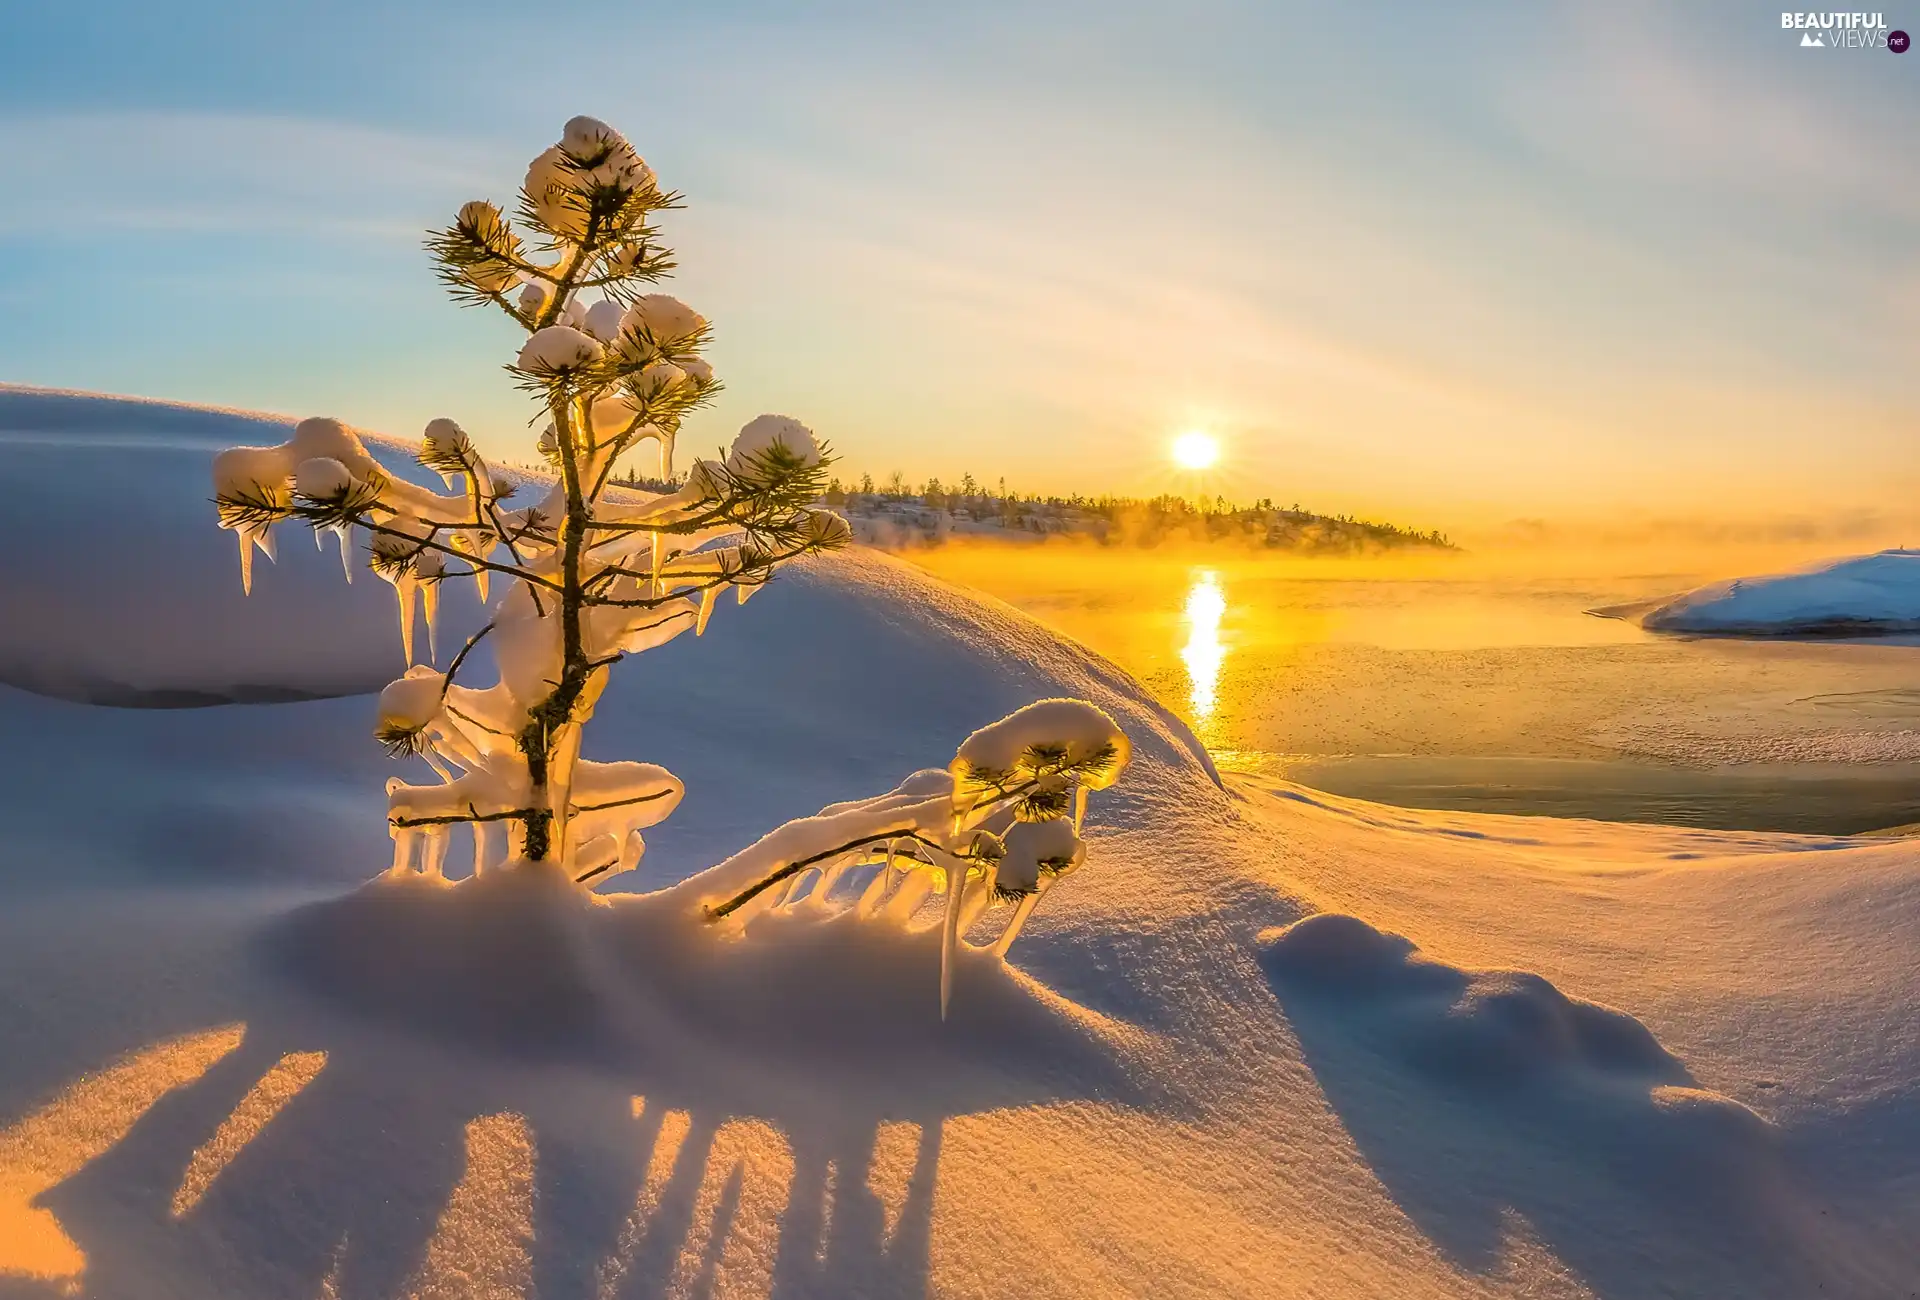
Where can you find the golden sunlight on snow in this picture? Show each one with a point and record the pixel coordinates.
(89, 1118)
(482, 1248)
(276, 1088)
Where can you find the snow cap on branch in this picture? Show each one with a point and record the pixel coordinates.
(827, 530)
(321, 478)
(663, 316)
(413, 701)
(1069, 734)
(1034, 849)
(761, 434)
(603, 320)
(558, 350)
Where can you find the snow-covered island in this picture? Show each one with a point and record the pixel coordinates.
(285, 1015)
(1866, 595)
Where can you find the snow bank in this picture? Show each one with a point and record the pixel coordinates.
(1862, 596)
(131, 598)
(1490, 1025)
(516, 961)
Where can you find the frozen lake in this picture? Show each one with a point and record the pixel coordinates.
(1443, 683)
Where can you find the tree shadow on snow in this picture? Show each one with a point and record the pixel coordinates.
(333, 1148)
(1479, 1097)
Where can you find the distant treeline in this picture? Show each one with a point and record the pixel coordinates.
(1117, 520)
(899, 513)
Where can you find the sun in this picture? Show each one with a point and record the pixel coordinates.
(1196, 450)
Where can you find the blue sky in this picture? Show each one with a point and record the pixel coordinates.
(1502, 260)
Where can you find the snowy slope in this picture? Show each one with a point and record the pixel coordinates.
(1541, 1058)
(1862, 595)
(110, 498)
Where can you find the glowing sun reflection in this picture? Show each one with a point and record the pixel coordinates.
(1204, 650)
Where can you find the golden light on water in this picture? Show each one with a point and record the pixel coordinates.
(1204, 651)
(1196, 450)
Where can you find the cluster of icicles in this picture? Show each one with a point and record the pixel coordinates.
(604, 805)
(999, 825)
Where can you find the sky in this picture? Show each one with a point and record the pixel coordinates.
(1450, 265)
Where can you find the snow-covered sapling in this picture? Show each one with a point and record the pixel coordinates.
(999, 824)
(593, 574)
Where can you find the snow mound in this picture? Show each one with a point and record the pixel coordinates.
(1494, 1025)
(517, 962)
(1862, 595)
(136, 599)
(1500, 1035)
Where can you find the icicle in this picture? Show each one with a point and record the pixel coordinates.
(319, 544)
(434, 844)
(480, 574)
(1012, 932)
(632, 850)
(489, 845)
(439, 768)
(345, 534)
(876, 890)
(829, 877)
(789, 891)
(560, 771)
(979, 899)
(907, 898)
(246, 562)
(706, 610)
(403, 587)
(264, 540)
(950, 938)
(654, 592)
(1079, 806)
(430, 603)
(402, 848)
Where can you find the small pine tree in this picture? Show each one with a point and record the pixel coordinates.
(591, 580)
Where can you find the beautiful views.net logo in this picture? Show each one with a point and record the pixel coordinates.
(1844, 31)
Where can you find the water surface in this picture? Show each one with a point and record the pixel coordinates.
(1442, 684)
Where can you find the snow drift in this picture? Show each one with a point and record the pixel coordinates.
(1866, 595)
(1604, 1061)
(112, 494)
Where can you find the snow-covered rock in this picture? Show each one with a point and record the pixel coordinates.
(1863, 596)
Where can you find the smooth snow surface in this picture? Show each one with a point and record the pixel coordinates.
(1262, 1043)
(106, 511)
(1863, 595)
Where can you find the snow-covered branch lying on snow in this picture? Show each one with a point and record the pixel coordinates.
(590, 580)
(999, 824)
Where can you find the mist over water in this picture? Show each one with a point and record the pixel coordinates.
(1481, 682)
